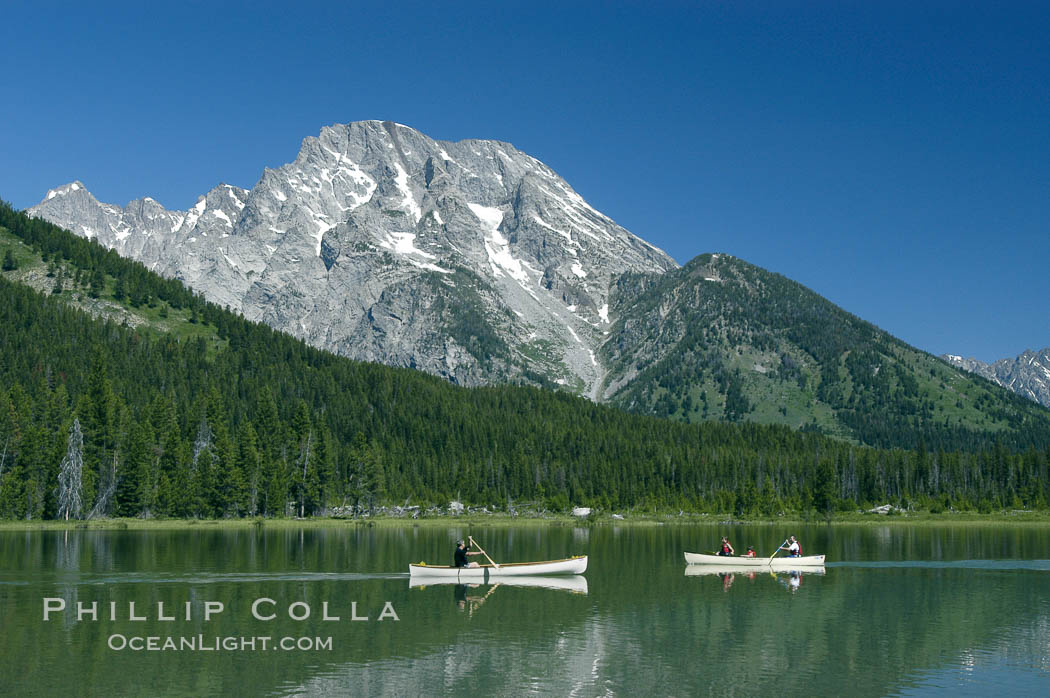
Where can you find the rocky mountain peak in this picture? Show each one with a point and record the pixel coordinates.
(468, 259)
(1027, 374)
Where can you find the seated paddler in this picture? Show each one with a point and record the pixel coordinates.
(460, 558)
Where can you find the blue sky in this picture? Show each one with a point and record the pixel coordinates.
(894, 157)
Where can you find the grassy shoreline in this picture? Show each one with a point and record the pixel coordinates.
(552, 520)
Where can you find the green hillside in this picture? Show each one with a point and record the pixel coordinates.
(187, 410)
(721, 339)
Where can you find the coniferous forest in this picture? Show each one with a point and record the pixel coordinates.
(215, 416)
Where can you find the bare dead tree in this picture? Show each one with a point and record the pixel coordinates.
(108, 488)
(253, 496)
(149, 489)
(253, 487)
(203, 441)
(305, 456)
(3, 458)
(70, 486)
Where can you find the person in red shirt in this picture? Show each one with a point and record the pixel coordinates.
(750, 551)
(727, 549)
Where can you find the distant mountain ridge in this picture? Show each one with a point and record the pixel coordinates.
(475, 262)
(1027, 374)
(470, 260)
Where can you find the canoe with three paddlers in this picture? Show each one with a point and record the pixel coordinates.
(755, 562)
(572, 565)
(702, 570)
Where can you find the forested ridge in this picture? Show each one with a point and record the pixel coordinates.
(99, 418)
(724, 339)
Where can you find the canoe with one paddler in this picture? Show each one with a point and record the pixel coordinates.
(755, 562)
(572, 565)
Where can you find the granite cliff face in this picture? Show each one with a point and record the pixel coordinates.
(1027, 374)
(469, 260)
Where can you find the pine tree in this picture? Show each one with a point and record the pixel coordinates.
(172, 485)
(182, 496)
(249, 465)
(824, 489)
(273, 447)
(276, 477)
(307, 483)
(368, 483)
(226, 486)
(15, 409)
(100, 407)
(329, 486)
(133, 483)
(746, 497)
(9, 261)
(98, 283)
(34, 473)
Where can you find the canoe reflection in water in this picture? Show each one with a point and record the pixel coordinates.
(469, 597)
(576, 584)
(789, 579)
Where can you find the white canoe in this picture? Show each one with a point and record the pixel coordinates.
(575, 583)
(572, 565)
(758, 562)
(702, 570)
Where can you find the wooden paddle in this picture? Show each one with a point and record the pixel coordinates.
(779, 548)
(474, 542)
(475, 604)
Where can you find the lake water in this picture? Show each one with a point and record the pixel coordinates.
(898, 610)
